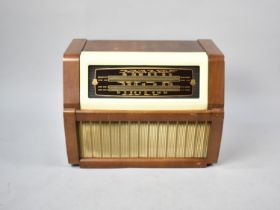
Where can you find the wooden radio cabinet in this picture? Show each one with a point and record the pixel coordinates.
(143, 103)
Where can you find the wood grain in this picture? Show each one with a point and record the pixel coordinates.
(142, 162)
(71, 74)
(143, 46)
(216, 74)
(71, 135)
(215, 140)
(75, 48)
(115, 115)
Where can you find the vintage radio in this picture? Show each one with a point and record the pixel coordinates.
(143, 103)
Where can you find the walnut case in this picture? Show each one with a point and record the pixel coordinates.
(113, 137)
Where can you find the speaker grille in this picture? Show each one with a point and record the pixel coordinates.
(143, 139)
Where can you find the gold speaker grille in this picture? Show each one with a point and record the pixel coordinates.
(143, 139)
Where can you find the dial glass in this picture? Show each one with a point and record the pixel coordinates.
(143, 81)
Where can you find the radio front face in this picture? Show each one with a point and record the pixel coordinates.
(143, 80)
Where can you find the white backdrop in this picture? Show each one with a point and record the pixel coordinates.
(34, 173)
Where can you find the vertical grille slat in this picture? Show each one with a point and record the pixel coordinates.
(144, 139)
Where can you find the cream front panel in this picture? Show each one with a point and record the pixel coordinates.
(200, 59)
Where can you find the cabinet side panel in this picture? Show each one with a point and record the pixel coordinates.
(71, 135)
(214, 141)
(216, 83)
(71, 84)
(216, 74)
(71, 74)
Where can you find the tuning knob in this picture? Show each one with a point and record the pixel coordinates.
(94, 82)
